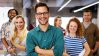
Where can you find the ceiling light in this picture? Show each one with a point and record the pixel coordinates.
(86, 7)
(38, 1)
(64, 5)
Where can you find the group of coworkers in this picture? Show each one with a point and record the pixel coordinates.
(48, 40)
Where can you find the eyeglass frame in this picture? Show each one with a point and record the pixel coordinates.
(44, 13)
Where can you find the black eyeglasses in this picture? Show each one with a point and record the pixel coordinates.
(44, 13)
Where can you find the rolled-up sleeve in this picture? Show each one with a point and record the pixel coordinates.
(30, 45)
(59, 43)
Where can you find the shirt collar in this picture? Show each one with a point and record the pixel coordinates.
(38, 28)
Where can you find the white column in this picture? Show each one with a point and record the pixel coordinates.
(98, 16)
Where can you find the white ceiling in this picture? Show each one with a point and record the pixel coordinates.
(73, 3)
(51, 3)
(6, 3)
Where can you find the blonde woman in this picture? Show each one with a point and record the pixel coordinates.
(18, 36)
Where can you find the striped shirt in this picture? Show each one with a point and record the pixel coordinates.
(74, 46)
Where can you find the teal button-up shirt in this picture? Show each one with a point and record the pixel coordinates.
(52, 37)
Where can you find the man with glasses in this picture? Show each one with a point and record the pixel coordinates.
(44, 40)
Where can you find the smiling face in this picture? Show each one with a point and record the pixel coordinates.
(12, 14)
(73, 27)
(59, 22)
(19, 23)
(87, 16)
(42, 15)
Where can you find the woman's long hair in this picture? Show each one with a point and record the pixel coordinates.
(14, 31)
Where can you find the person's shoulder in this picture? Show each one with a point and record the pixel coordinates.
(53, 27)
(66, 36)
(93, 25)
(56, 29)
(6, 23)
(33, 30)
(82, 38)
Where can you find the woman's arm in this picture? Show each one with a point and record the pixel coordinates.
(17, 45)
(65, 53)
(87, 49)
(20, 47)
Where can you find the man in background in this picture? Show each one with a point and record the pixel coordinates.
(91, 32)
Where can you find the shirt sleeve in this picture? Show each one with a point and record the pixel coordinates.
(3, 31)
(30, 45)
(97, 33)
(59, 43)
(83, 40)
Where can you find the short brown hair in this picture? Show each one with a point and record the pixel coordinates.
(41, 5)
(13, 10)
(87, 10)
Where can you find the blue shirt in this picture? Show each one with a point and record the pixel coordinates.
(74, 46)
(52, 37)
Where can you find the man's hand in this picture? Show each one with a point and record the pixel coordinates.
(37, 49)
(93, 51)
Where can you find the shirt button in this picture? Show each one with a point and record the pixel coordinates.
(44, 40)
